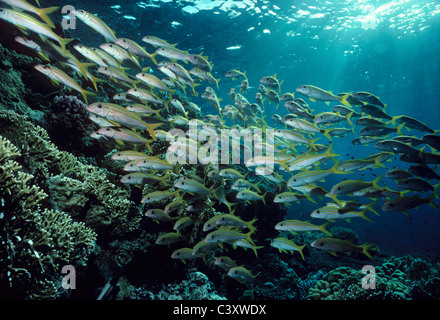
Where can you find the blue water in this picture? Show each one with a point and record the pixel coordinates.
(388, 48)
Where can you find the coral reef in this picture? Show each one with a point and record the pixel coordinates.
(36, 241)
(107, 204)
(196, 287)
(402, 278)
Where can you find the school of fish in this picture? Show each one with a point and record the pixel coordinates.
(155, 105)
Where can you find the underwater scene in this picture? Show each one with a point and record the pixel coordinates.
(219, 150)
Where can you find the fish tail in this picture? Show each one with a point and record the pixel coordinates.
(323, 227)
(300, 249)
(365, 248)
(362, 215)
(430, 198)
(248, 236)
(263, 198)
(85, 94)
(153, 58)
(335, 169)
(375, 181)
(250, 224)
(344, 101)
(371, 205)
(378, 163)
(147, 144)
(150, 129)
(312, 143)
(63, 42)
(44, 14)
(347, 117)
(326, 133)
(216, 82)
(335, 199)
(393, 120)
(399, 128)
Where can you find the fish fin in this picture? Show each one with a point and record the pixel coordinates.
(86, 93)
(43, 13)
(333, 253)
(326, 133)
(323, 227)
(399, 128)
(348, 116)
(344, 101)
(365, 248)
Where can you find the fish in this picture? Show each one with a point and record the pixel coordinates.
(200, 62)
(224, 235)
(225, 263)
(183, 222)
(173, 53)
(350, 186)
(158, 215)
(184, 254)
(423, 171)
(249, 195)
(241, 274)
(413, 123)
(396, 147)
(296, 109)
(307, 160)
(304, 125)
(125, 135)
(377, 112)
(235, 74)
(331, 117)
(331, 212)
(192, 185)
(301, 226)
(170, 238)
(398, 174)
(134, 48)
(284, 245)
(315, 93)
(243, 243)
(59, 76)
(272, 82)
(153, 81)
(414, 141)
(121, 115)
(404, 203)
(90, 54)
(288, 197)
(154, 163)
(432, 140)
(308, 177)
(380, 130)
(118, 73)
(343, 111)
(159, 196)
(121, 55)
(365, 140)
(367, 97)
(157, 42)
(141, 178)
(27, 22)
(415, 184)
(96, 24)
(334, 246)
(287, 96)
(43, 13)
(293, 136)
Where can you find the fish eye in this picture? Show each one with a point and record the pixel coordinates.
(339, 188)
(318, 211)
(178, 253)
(321, 244)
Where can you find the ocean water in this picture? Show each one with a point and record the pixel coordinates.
(387, 48)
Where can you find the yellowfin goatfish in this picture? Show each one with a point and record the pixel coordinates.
(306, 177)
(124, 135)
(121, 55)
(41, 12)
(159, 196)
(334, 246)
(157, 42)
(59, 76)
(241, 274)
(154, 163)
(298, 225)
(315, 93)
(284, 245)
(25, 21)
(121, 115)
(135, 48)
(96, 24)
(153, 81)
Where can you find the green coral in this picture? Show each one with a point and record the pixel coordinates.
(106, 204)
(395, 279)
(36, 241)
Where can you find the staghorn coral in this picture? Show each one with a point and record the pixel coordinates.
(107, 204)
(36, 241)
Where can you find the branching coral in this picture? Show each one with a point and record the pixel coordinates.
(106, 203)
(36, 241)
